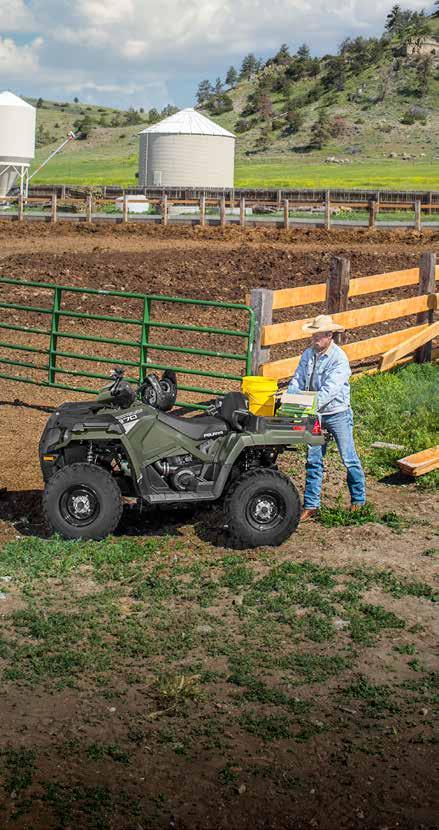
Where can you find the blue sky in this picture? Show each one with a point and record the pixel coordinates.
(147, 53)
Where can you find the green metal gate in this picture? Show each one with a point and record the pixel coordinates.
(143, 328)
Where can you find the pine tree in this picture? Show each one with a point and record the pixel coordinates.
(424, 71)
(393, 19)
(231, 77)
(264, 138)
(294, 119)
(303, 52)
(204, 92)
(283, 56)
(170, 109)
(249, 67)
(320, 132)
(265, 107)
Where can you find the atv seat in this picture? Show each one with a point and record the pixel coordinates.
(234, 410)
(199, 427)
(234, 415)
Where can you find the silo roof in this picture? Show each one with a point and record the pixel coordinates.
(8, 99)
(188, 122)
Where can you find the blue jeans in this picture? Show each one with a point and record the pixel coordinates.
(340, 426)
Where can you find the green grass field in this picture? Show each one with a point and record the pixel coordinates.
(91, 166)
(371, 173)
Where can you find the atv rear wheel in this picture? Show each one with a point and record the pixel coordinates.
(82, 501)
(262, 508)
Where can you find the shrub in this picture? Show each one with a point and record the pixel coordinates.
(414, 115)
(242, 125)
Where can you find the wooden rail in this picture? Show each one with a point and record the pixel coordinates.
(391, 358)
(360, 317)
(360, 350)
(310, 294)
(335, 293)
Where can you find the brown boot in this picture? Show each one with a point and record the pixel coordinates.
(308, 513)
(355, 507)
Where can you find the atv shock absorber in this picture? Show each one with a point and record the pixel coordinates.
(90, 456)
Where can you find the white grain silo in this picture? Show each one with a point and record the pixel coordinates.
(17, 141)
(186, 150)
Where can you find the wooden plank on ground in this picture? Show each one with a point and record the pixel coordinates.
(309, 294)
(391, 357)
(287, 332)
(355, 351)
(420, 462)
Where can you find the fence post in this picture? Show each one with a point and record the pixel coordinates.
(223, 211)
(337, 290)
(242, 212)
(418, 214)
(21, 208)
(125, 209)
(286, 216)
(427, 285)
(279, 199)
(203, 210)
(261, 300)
(373, 208)
(89, 207)
(54, 216)
(328, 210)
(165, 209)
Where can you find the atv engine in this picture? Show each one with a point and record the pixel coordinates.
(181, 472)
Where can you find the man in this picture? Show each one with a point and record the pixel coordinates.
(324, 368)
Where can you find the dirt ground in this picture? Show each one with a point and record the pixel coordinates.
(252, 744)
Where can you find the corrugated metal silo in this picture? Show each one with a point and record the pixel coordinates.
(186, 150)
(17, 139)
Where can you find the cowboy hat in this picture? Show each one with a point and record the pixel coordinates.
(323, 322)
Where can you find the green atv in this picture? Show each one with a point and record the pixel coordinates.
(127, 447)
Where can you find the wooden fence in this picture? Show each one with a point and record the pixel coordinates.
(89, 204)
(335, 294)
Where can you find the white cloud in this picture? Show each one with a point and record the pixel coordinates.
(19, 61)
(122, 47)
(15, 16)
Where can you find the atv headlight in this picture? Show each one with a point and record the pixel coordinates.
(52, 437)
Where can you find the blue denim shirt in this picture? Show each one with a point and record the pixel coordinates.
(331, 379)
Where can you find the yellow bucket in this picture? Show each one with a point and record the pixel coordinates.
(260, 393)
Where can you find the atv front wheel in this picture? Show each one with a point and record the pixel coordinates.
(82, 501)
(262, 508)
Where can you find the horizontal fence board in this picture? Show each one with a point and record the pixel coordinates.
(287, 332)
(355, 351)
(383, 282)
(391, 357)
(302, 295)
(308, 294)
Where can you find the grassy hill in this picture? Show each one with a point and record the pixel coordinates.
(287, 125)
